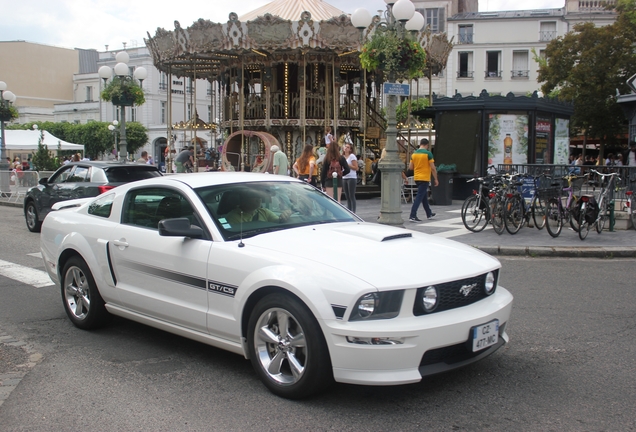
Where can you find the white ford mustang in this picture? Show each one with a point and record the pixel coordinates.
(270, 268)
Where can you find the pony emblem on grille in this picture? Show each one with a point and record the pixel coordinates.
(466, 289)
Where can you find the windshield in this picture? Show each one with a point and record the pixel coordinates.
(249, 209)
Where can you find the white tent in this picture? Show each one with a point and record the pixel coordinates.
(27, 140)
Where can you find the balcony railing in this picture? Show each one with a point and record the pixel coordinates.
(163, 86)
(493, 74)
(547, 36)
(466, 38)
(595, 5)
(520, 74)
(465, 74)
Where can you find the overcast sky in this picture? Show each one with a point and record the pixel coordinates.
(96, 23)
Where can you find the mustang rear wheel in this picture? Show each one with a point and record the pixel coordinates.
(287, 348)
(82, 301)
(31, 217)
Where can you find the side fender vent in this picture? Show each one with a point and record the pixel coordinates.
(339, 311)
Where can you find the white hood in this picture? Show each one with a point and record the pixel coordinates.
(378, 254)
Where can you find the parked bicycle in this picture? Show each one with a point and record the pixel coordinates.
(630, 201)
(485, 205)
(517, 212)
(557, 213)
(593, 211)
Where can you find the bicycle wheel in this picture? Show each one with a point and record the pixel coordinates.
(602, 217)
(538, 212)
(632, 203)
(475, 213)
(584, 227)
(553, 219)
(514, 214)
(497, 215)
(573, 213)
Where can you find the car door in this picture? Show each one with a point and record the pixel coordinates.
(50, 191)
(158, 276)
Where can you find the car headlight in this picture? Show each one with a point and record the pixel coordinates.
(430, 297)
(377, 305)
(490, 284)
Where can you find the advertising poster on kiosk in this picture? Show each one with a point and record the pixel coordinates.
(507, 139)
(543, 135)
(561, 141)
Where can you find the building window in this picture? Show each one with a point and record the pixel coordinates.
(465, 65)
(189, 87)
(466, 34)
(209, 88)
(547, 31)
(520, 65)
(189, 112)
(163, 112)
(89, 94)
(493, 63)
(434, 19)
(210, 114)
(163, 81)
(133, 114)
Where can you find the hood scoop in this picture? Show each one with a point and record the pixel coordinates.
(397, 236)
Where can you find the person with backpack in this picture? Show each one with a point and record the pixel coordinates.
(305, 166)
(334, 163)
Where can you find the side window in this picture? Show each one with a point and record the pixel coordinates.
(79, 175)
(102, 206)
(146, 207)
(62, 175)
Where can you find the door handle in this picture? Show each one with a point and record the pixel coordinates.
(121, 244)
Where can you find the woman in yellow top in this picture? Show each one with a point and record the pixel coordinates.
(305, 165)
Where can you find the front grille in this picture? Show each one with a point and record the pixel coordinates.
(450, 295)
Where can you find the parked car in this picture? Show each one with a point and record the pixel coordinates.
(271, 268)
(79, 180)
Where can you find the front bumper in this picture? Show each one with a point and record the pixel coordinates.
(432, 343)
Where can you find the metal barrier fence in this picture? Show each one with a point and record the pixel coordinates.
(14, 184)
(627, 174)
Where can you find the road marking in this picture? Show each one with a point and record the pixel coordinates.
(27, 275)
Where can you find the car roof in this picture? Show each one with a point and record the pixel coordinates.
(202, 179)
(108, 164)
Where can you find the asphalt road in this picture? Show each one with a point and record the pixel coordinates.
(570, 366)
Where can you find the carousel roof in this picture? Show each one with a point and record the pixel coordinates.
(292, 9)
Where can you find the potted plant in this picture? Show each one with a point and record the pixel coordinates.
(8, 112)
(403, 57)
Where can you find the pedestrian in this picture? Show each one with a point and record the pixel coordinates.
(334, 163)
(185, 159)
(305, 165)
(280, 164)
(350, 180)
(144, 157)
(630, 155)
(423, 166)
(328, 137)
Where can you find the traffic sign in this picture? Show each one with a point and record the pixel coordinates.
(396, 89)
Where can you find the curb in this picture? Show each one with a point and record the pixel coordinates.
(560, 251)
(10, 204)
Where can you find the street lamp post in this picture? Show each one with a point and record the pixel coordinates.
(122, 73)
(6, 99)
(395, 21)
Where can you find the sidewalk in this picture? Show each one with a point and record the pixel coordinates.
(527, 242)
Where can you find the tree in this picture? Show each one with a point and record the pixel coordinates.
(586, 67)
(42, 158)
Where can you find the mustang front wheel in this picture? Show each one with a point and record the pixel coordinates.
(82, 301)
(287, 348)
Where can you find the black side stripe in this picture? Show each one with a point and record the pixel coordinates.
(195, 282)
(110, 264)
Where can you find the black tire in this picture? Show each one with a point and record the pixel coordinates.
(514, 214)
(497, 215)
(632, 203)
(553, 217)
(82, 302)
(475, 213)
(584, 227)
(31, 217)
(538, 212)
(313, 371)
(574, 212)
(602, 217)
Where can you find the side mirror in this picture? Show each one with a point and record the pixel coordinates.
(43, 181)
(179, 227)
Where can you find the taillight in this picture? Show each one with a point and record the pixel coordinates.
(509, 195)
(104, 188)
(585, 198)
(491, 195)
(474, 192)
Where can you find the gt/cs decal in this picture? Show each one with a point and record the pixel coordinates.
(222, 289)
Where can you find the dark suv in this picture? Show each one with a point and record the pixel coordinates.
(79, 180)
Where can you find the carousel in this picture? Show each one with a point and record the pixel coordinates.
(284, 73)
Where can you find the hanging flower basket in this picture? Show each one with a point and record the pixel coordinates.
(8, 112)
(386, 52)
(123, 92)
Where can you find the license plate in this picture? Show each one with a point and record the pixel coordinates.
(485, 335)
